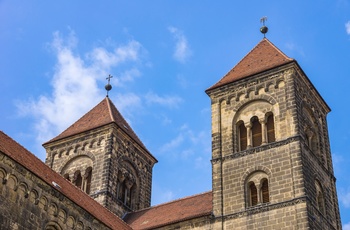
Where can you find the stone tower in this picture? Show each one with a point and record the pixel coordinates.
(102, 155)
(271, 159)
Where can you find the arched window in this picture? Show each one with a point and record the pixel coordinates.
(256, 132)
(242, 136)
(253, 194)
(257, 187)
(265, 196)
(320, 198)
(270, 128)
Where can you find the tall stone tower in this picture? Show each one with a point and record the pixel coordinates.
(102, 155)
(271, 159)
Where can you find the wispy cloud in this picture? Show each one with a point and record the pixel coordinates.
(347, 27)
(344, 197)
(182, 50)
(75, 80)
(346, 226)
(294, 47)
(163, 195)
(167, 101)
(187, 143)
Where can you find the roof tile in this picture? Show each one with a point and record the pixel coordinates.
(172, 212)
(25, 158)
(262, 57)
(102, 114)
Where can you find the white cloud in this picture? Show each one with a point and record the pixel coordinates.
(173, 144)
(346, 226)
(75, 81)
(182, 51)
(294, 47)
(168, 101)
(347, 27)
(163, 195)
(187, 143)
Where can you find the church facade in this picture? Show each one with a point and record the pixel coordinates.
(271, 163)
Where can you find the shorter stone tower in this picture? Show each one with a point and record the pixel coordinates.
(102, 155)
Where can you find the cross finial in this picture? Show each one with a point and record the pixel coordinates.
(108, 87)
(264, 28)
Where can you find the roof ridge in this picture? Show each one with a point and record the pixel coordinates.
(110, 109)
(278, 49)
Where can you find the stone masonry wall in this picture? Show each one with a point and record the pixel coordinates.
(316, 155)
(27, 202)
(270, 92)
(110, 152)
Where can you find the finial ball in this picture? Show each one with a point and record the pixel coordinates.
(264, 29)
(108, 87)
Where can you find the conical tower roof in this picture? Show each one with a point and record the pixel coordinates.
(262, 57)
(102, 114)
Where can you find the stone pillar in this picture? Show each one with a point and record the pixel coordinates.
(249, 135)
(263, 131)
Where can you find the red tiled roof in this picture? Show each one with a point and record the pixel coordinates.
(102, 114)
(25, 158)
(262, 57)
(172, 212)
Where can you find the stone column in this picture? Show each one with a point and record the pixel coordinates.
(249, 135)
(263, 131)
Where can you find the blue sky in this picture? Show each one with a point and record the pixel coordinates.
(55, 57)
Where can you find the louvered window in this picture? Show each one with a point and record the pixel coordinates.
(253, 194)
(265, 191)
(78, 179)
(242, 137)
(270, 125)
(256, 132)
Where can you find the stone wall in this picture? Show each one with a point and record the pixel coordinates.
(27, 202)
(115, 158)
(299, 155)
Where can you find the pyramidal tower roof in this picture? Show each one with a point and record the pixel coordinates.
(102, 114)
(262, 57)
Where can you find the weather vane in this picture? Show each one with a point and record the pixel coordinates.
(108, 87)
(264, 28)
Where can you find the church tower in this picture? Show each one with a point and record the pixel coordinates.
(271, 159)
(102, 155)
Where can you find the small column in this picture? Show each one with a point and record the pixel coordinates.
(263, 131)
(249, 135)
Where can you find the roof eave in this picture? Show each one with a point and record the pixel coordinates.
(218, 85)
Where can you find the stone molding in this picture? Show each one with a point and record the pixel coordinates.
(254, 150)
(264, 208)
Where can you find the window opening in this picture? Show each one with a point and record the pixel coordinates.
(256, 132)
(78, 179)
(270, 125)
(265, 191)
(253, 194)
(242, 137)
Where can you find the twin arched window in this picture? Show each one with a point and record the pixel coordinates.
(258, 193)
(256, 132)
(126, 188)
(81, 181)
